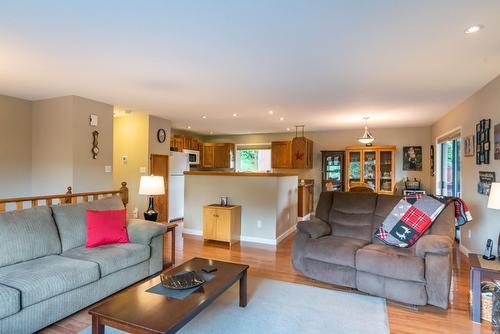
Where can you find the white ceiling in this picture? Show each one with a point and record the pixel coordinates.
(325, 64)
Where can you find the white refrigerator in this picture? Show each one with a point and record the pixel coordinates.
(178, 164)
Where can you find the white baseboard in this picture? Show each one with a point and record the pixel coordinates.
(464, 250)
(244, 238)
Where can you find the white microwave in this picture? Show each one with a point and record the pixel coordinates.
(193, 157)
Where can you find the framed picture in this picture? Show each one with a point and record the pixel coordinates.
(485, 181)
(432, 160)
(497, 141)
(469, 146)
(482, 142)
(412, 157)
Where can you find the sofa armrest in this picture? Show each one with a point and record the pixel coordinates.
(433, 244)
(315, 228)
(142, 231)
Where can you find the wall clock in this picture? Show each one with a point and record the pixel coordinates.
(95, 148)
(161, 135)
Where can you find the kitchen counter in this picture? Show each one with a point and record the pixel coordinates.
(268, 202)
(218, 173)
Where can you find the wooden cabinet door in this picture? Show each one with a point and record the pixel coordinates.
(210, 223)
(208, 156)
(223, 232)
(159, 166)
(281, 154)
(221, 156)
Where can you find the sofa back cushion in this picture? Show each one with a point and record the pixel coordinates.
(71, 219)
(27, 234)
(385, 204)
(351, 215)
(324, 205)
(445, 222)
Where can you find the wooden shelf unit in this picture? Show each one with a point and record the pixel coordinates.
(373, 165)
(222, 223)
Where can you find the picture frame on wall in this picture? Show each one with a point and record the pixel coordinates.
(485, 181)
(469, 146)
(412, 158)
(496, 141)
(483, 142)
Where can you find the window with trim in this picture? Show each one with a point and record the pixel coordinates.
(253, 158)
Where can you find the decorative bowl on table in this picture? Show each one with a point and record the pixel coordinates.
(182, 280)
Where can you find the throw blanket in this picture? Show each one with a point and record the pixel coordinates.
(413, 215)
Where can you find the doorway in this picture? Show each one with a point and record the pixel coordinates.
(159, 167)
(449, 167)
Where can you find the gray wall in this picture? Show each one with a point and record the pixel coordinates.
(339, 140)
(155, 147)
(15, 147)
(483, 104)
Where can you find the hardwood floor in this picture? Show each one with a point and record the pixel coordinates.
(271, 263)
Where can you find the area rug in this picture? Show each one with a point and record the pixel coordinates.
(281, 307)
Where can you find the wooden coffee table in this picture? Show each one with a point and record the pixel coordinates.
(138, 311)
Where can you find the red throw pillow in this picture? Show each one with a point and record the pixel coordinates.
(106, 227)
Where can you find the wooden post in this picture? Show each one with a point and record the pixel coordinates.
(67, 200)
(124, 193)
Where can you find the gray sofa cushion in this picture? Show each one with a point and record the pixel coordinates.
(10, 301)
(71, 219)
(111, 258)
(48, 276)
(387, 261)
(142, 231)
(27, 234)
(351, 215)
(336, 250)
(315, 228)
(324, 205)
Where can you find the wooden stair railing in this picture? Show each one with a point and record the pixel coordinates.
(67, 198)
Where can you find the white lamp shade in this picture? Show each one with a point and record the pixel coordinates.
(152, 185)
(494, 199)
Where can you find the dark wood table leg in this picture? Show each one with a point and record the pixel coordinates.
(173, 246)
(475, 286)
(97, 328)
(243, 289)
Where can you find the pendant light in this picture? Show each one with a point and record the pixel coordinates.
(367, 137)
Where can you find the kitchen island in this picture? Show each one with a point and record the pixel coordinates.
(268, 202)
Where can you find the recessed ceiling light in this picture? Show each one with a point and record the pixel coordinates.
(287, 129)
(282, 118)
(235, 115)
(474, 28)
(211, 132)
(189, 126)
(270, 112)
(204, 117)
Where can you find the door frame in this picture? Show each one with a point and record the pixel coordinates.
(151, 156)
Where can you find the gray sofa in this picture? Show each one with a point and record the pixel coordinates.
(46, 273)
(338, 246)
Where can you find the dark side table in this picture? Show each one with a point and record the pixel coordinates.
(480, 269)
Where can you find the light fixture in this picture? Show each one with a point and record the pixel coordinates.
(151, 186)
(474, 28)
(211, 132)
(189, 126)
(235, 115)
(282, 118)
(270, 112)
(367, 137)
(287, 129)
(204, 117)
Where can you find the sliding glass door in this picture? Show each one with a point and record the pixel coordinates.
(450, 168)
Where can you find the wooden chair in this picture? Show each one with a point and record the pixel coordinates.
(360, 187)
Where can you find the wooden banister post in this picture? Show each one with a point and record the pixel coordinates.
(124, 193)
(69, 192)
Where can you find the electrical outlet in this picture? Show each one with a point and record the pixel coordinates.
(142, 170)
(136, 213)
(470, 234)
(259, 223)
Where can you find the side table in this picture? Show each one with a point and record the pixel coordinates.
(480, 270)
(170, 228)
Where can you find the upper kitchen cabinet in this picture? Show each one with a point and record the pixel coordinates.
(218, 155)
(281, 154)
(182, 142)
(296, 154)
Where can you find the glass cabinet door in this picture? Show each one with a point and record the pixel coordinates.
(370, 168)
(333, 170)
(386, 171)
(354, 167)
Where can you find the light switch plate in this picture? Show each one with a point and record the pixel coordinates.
(142, 170)
(107, 169)
(94, 120)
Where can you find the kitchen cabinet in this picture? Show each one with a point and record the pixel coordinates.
(294, 154)
(218, 155)
(333, 170)
(281, 154)
(222, 223)
(184, 142)
(373, 166)
(305, 197)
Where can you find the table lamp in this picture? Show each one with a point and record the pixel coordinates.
(151, 186)
(494, 203)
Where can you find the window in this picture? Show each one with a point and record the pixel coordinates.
(448, 167)
(253, 158)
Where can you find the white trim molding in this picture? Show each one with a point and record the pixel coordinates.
(464, 250)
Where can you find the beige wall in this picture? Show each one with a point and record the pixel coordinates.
(52, 145)
(15, 147)
(339, 140)
(130, 139)
(483, 104)
(62, 142)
